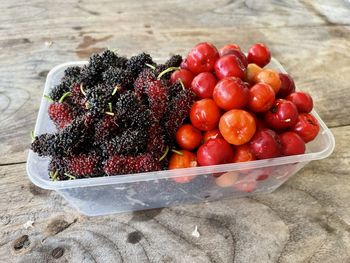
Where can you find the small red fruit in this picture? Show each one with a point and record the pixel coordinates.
(287, 85)
(237, 126)
(228, 48)
(259, 54)
(283, 114)
(215, 151)
(261, 97)
(239, 54)
(243, 153)
(205, 114)
(231, 93)
(307, 127)
(252, 72)
(302, 100)
(202, 58)
(270, 77)
(265, 144)
(229, 66)
(188, 137)
(61, 114)
(213, 134)
(185, 75)
(203, 85)
(185, 159)
(292, 143)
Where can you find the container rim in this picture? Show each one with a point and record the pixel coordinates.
(129, 178)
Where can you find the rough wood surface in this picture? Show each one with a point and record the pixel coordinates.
(306, 220)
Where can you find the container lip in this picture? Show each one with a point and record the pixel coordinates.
(129, 178)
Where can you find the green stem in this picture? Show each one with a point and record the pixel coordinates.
(116, 88)
(161, 74)
(110, 106)
(177, 152)
(150, 66)
(48, 98)
(182, 84)
(164, 154)
(32, 135)
(65, 95)
(82, 89)
(53, 175)
(109, 113)
(71, 177)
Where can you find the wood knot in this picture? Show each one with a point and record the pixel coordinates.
(57, 252)
(56, 226)
(134, 237)
(21, 242)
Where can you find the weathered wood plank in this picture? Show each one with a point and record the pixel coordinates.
(307, 220)
(317, 57)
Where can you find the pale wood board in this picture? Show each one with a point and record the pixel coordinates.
(306, 220)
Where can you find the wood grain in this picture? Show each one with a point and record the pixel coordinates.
(306, 220)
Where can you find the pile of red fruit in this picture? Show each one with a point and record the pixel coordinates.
(243, 111)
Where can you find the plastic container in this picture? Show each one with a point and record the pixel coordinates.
(121, 193)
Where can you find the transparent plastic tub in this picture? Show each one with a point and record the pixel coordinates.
(121, 193)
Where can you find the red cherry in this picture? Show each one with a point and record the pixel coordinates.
(287, 85)
(202, 58)
(188, 137)
(229, 66)
(292, 143)
(231, 93)
(205, 114)
(215, 151)
(265, 144)
(261, 97)
(243, 153)
(259, 54)
(203, 85)
(227, 49)
(213, 134)
(185, 75)
(302, 100)
(240, 55)
(283, 114)
(307, 127)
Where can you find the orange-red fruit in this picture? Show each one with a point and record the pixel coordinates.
(213, 134)
(184, 160)
(243, 154)
(261, 97)
(252, 72)
(270, 77)
(205, 114)
(188, 137)
(237, 126)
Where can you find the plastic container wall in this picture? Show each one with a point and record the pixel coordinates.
(121, 193)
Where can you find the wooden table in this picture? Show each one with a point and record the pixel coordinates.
(306, 220)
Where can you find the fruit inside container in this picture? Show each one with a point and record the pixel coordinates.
(118, 115)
